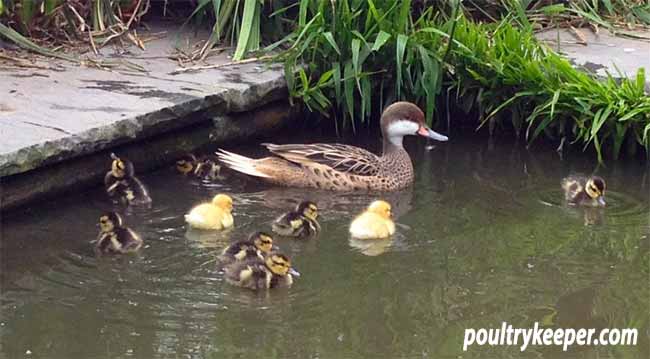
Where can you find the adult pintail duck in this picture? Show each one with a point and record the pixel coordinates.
(343, 167)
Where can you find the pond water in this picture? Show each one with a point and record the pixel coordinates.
(482, 238)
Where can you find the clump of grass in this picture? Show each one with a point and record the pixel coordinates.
(513, 79)
(349, 57)
(54, 23)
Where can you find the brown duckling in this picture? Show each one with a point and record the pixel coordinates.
(204, 167)
(300, 223)
(273, 271)
(257, 246)
(114, 237)
(121, 184)
(584, 191)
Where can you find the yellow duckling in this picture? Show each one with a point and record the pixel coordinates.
(214, 215)
(258, 245)
(584, 191)
(114, 237)
(122, 185)
(204, 167)
(273, 271)
(374, 223)
(300, 223)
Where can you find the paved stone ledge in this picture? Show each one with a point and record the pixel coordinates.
(51, 117)
(48, 116)
(603, 52)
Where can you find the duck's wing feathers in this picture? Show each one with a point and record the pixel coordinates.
(342, 158)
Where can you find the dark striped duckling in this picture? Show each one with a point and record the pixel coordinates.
(584, 191)
(121, 184)
(114, 237)
(300, 223)
(204, 167)
(272, 272)
(257, 246)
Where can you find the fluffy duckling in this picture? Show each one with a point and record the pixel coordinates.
(273, 271)
(207, 168)
(114, 237)
(213, 215)
(122, 185)
(204, 167)
(374, 223)
(186, 164)
(258, 245)
(584, 191)
(300, 223)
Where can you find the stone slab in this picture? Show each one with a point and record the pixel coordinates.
(48, 116)
(603, 52)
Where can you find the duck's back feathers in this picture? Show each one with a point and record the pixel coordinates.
(208, 216)
(574, 187)
(126, 190)
(239, 252)
(295, 224)
(252, 274)
(369, 225)
(120, 240)
(338, 157)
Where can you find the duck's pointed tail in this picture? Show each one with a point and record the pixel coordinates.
(241, 163)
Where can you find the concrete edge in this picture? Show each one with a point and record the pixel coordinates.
(79, 171)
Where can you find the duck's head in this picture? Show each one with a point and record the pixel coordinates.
(121, 167)
(403, 119)
(186, 163)
(595, 189)
(109, 221)
(223, 201)
(382, 208)
(280, 265)
(308, 209)
(263, 241)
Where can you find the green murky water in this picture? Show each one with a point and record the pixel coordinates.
(482, 238)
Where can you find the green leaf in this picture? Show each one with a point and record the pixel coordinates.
(328, 36)
(302, 13)
(251, 10)
(348, 85)
(399, 59)
(381, 39)
(336, 70)
(599, 120)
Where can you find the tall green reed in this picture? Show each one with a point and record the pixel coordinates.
(514, 80)
(349, 57)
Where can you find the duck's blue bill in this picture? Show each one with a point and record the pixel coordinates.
(294, 272)
(427, 132)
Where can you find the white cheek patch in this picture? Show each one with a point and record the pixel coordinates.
(399, 129)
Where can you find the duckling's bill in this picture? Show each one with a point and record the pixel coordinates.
(294, 272)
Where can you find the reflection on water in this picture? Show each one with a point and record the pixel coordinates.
(483, 237)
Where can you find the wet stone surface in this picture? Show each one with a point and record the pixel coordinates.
(48, 116)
